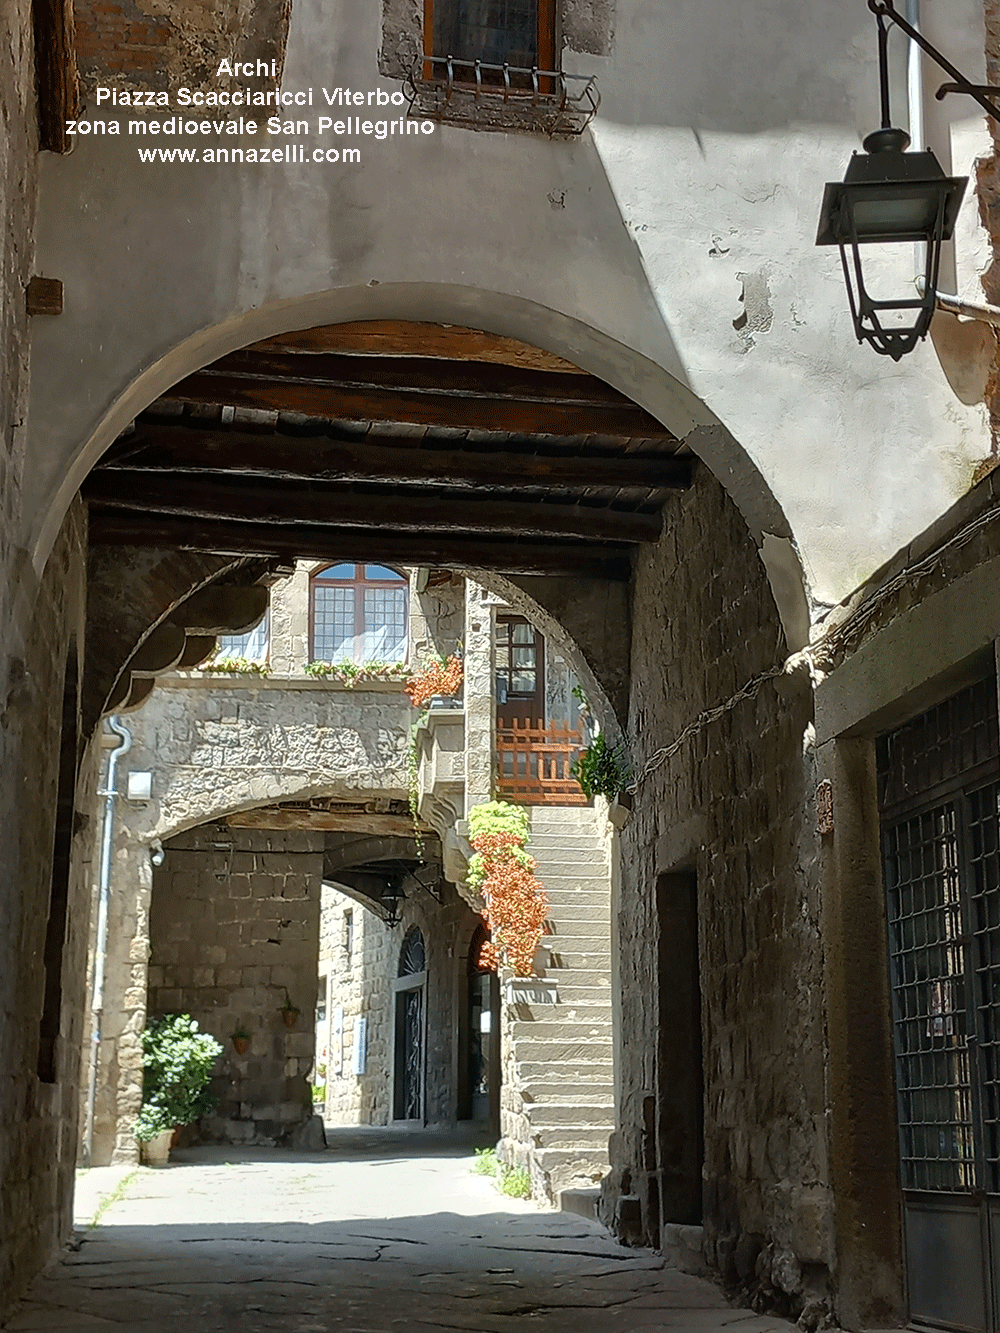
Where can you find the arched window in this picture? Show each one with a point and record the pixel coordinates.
(412, 957)
(358, 614)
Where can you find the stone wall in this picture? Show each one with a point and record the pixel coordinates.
(46, 800)
(234, 933)
(732, 808)
(358, 986)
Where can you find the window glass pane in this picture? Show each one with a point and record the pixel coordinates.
(333, 624)
(336, 572)
(523, 632)
(523, 682)
(385, 624)
(252, 646)
(491, 30)
(503, 632)
(523, 657)
(380, 572)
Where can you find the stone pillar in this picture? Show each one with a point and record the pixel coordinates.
(119, 1055)
(480, 711)
(864, 1147)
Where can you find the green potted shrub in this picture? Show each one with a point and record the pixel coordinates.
(177, 1063)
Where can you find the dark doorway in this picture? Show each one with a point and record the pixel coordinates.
(409, 1040)
(939, 789)
(679, 1101)
(55, 931)
(483, 1069)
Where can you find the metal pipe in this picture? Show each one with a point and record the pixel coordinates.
(101, 940)
(986, 314)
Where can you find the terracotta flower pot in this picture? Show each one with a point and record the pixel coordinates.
(241, 1045)
(289, 1017)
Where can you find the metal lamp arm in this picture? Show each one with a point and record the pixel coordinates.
(885, 9)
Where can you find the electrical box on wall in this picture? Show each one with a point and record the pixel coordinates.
(139, 786)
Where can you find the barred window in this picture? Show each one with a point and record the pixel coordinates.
(358, 614)
(515, 32)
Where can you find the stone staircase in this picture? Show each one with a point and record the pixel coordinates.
(557, 1107)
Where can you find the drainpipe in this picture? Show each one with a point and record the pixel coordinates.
(915, 102)
(100, 948)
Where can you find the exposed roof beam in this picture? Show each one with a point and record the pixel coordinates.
(398, 337)
(309, 542)
(318, 503)
(363, 822)
(409, 372)
(380, 458)
(300, 392)
(55, 70)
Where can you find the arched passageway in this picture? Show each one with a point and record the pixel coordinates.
(462, 451)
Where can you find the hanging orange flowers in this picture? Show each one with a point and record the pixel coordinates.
(516, 904)
(443, 676)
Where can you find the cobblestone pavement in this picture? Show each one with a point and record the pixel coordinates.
(383, 1233)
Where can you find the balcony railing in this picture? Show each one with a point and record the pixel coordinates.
(533, 763)
(503, 97)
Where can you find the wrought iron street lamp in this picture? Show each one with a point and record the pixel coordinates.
(389, 900)
(887, 196)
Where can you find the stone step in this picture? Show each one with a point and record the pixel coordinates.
(585, 934)
(570, 908)
(538, 1070)
(587, 993)
(576, 960)
(551, 1092)
(571, 1163)
(569, 860)
(577, 1011)
(567, 1029)
(543, 1052)
(569, 881)
(589, 1113)
(592, 1137)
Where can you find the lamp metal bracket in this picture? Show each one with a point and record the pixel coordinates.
(885, 9)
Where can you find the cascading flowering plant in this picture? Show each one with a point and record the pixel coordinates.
(504, 873)
(441, 675)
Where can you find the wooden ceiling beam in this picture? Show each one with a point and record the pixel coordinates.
(381, 458)
(318, 503)
(55, 72)
(400, 373)
(416, 407)
(309, 542)
(399, 337)
(271, 817)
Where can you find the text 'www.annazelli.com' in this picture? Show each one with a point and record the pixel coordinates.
(286, 155)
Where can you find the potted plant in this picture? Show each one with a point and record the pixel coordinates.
(177, 1063)
(439, 678)
(240, 1038)
(289, 1013)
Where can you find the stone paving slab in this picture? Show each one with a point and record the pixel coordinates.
(384, 1233)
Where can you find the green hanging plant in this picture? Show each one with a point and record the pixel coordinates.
(602, 769)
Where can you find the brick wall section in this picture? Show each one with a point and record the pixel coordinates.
(146, 44)
(734, 805)
(230, 931)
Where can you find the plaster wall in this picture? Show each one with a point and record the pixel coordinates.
(699, 180)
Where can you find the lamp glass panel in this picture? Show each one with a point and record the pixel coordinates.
(890, 213)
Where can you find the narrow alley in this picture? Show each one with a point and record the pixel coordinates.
(384, 1231)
